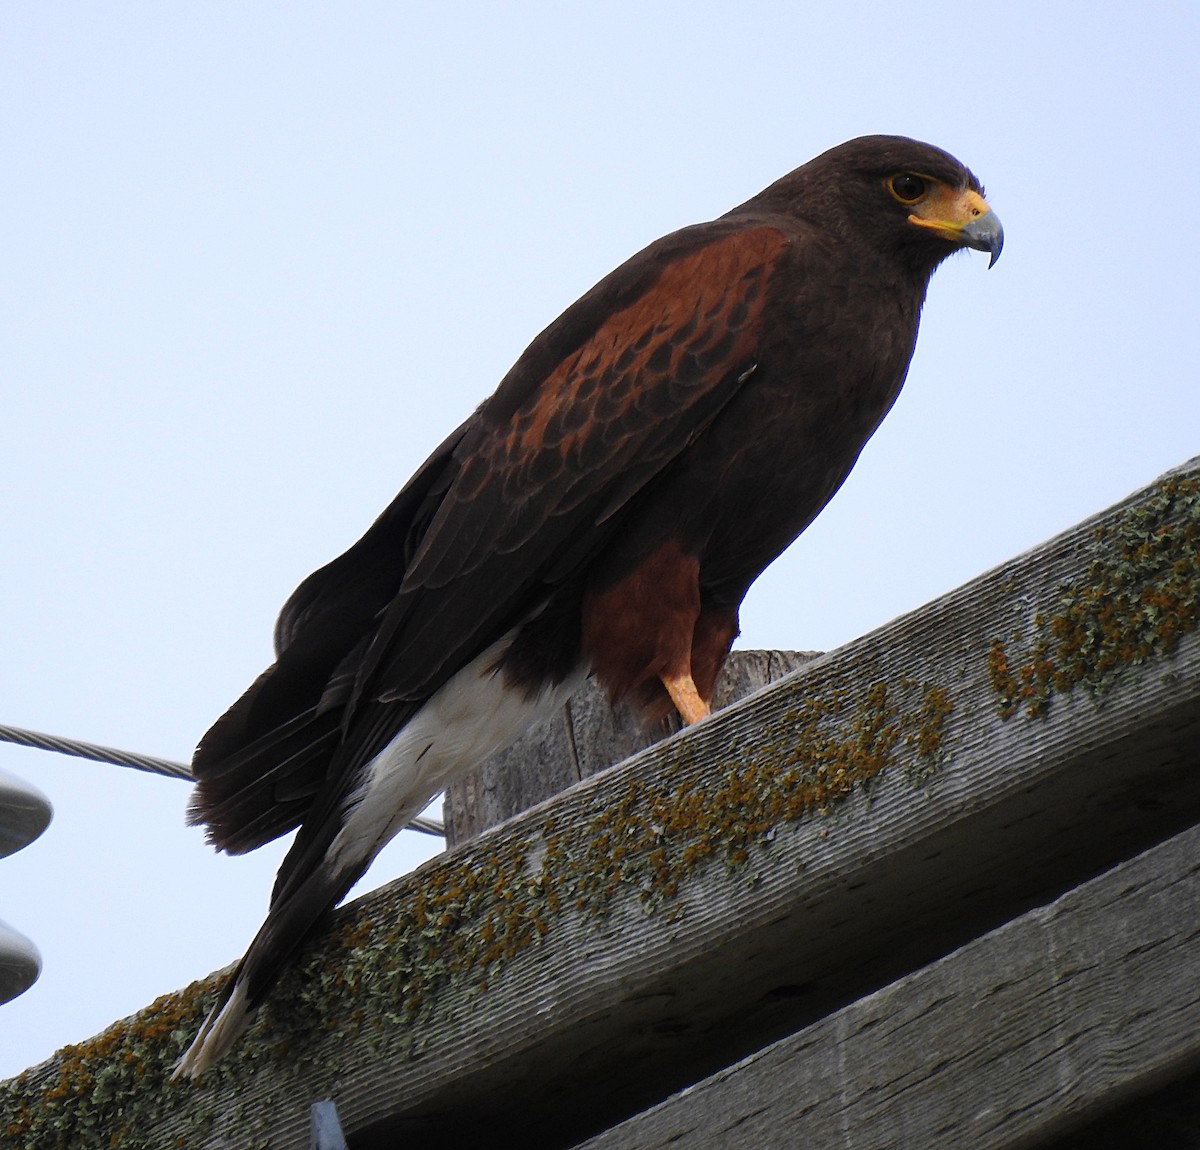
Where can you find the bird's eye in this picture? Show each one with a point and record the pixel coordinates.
(907, 188)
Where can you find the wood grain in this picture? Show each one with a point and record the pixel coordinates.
(1007, 1042)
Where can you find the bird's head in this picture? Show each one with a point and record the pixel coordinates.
(956, 213)
(898, 195)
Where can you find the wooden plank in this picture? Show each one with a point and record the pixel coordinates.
(585, 737)
(1167, 1118)
(1006, 1043)
(656, 922)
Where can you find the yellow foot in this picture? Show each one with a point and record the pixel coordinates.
(686, 698)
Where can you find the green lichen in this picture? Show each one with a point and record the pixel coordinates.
(1138, 596)
(109, 1091)
(393, 964)
(655, 835)
(466, 918)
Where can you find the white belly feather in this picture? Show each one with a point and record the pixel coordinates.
(473, 715)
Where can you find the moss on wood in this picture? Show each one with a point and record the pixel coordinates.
(380, 979)
(1138, 595)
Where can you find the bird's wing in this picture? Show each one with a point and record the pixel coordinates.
(518, 498)
(556, 454)
(261, 764)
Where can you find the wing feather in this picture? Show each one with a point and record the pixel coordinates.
(547, 475)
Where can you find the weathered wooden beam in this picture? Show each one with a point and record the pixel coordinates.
(1006, 1043)
(836, 831)
(1168, 1118)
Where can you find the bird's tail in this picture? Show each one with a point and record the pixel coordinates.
(476, 713)
(289, 921)
(225, 1024)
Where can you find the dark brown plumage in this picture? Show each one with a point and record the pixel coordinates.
(604, 512)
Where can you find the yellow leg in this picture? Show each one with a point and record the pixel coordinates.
(686, 698)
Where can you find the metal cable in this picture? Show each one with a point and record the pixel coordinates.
(171, 769)
(93, 751)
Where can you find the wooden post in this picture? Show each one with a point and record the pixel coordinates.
(585, 737)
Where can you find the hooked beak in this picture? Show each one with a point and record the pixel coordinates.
(985, 234)
(963, 218)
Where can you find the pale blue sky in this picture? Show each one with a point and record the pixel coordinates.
(258, 258)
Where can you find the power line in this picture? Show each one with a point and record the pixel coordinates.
(149, 763)
(95, 752)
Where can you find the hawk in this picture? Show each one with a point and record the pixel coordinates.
(603, 513)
